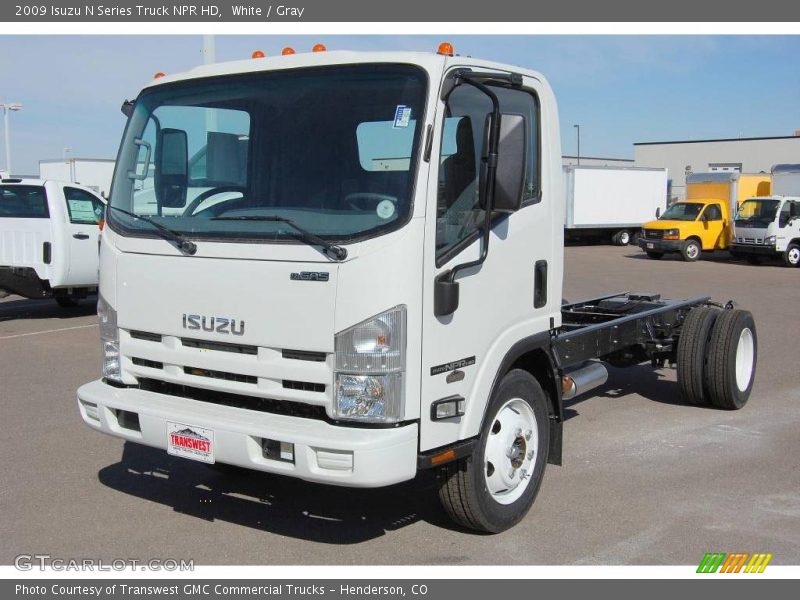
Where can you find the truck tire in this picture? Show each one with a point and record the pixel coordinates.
(791, 258)
(492, 489)
(621, 238)
(655, 255)
(691, 250)
(692, 353)
(732, 357)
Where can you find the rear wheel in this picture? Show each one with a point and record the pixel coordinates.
(791, 258)
(622, 238)
(655, 255)
(691, 250)
(732, 357)
(494, 488)
(692, 353)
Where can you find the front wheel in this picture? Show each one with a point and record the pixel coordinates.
(791, 258)
(691, 250)
(493, 489)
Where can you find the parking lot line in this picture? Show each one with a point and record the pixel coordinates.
(19, 335)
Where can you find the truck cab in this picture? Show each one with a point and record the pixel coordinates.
(704, 221)
(770, 227)
(49, 239)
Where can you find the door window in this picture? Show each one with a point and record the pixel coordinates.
(713, 212)
(459, 212)
(83, 207)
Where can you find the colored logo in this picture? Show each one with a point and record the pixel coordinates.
(737, 562)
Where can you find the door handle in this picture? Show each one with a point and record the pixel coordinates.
(81, 236)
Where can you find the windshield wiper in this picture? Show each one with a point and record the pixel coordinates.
(184, 244)
(331, 250)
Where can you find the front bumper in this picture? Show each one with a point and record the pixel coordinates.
(323, 453)
(649, 245)
(753, 249)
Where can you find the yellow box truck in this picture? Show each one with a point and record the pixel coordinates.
(704, 221)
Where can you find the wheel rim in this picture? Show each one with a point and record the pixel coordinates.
(692, 250)
(794, 255)
(745, 353)
(624, 238)
(511, 451)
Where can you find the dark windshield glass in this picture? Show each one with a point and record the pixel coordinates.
(682, 211)
(757, 210)
(333, 149)
(23, 202)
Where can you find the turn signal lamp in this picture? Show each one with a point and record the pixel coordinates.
(445, 48)
(287, 51)
(319, 48)
(258, 54)
(159, 74)
(101, 224)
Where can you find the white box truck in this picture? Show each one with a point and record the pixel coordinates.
(769, 227)
(611, 203)
(345, 323)
(48, 239)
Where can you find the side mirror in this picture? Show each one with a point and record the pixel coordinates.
(172, 168)
(704, 218)
(512, 157)
(445, 295)
(658, 212)
(127, 108)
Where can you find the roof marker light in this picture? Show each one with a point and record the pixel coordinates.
(258, 54)
(159, 75)
(445, 48)
(287, 51)
(319, 48)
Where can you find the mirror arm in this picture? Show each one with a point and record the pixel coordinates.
(491, 169)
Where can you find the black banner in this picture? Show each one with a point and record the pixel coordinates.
(444, 11)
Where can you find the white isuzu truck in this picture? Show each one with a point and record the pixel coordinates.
(369, 285)
(769, 227)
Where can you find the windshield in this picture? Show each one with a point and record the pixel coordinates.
(332, 149)
(682, 211)
(757, 211)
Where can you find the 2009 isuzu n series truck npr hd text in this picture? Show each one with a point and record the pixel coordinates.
(361, 280)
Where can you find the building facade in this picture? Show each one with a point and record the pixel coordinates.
(745, 155)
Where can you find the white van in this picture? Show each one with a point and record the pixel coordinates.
(48, 239)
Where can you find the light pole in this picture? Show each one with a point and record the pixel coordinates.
(578, 128)
(7, 108)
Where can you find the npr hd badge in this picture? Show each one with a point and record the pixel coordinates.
(452, 366)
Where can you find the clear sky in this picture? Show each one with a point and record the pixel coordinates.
(621, 89)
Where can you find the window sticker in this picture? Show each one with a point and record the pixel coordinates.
(402, 116)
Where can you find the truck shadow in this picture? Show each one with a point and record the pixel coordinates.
(641, 380)
(719, 257)
(272, 503)
(45, 308)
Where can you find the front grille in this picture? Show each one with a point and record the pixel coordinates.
(303, 355)
(197, 372)
(654, 234)
(144, 362)
(219, 346)
(268, 405)
(145, 335)
(749, 240)
(306, 386)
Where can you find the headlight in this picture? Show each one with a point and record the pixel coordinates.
(109, 340)
(370, 369)
(770, 241)
(672, 234)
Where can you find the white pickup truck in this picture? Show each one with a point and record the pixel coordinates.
(370, 285)
(48, 239)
